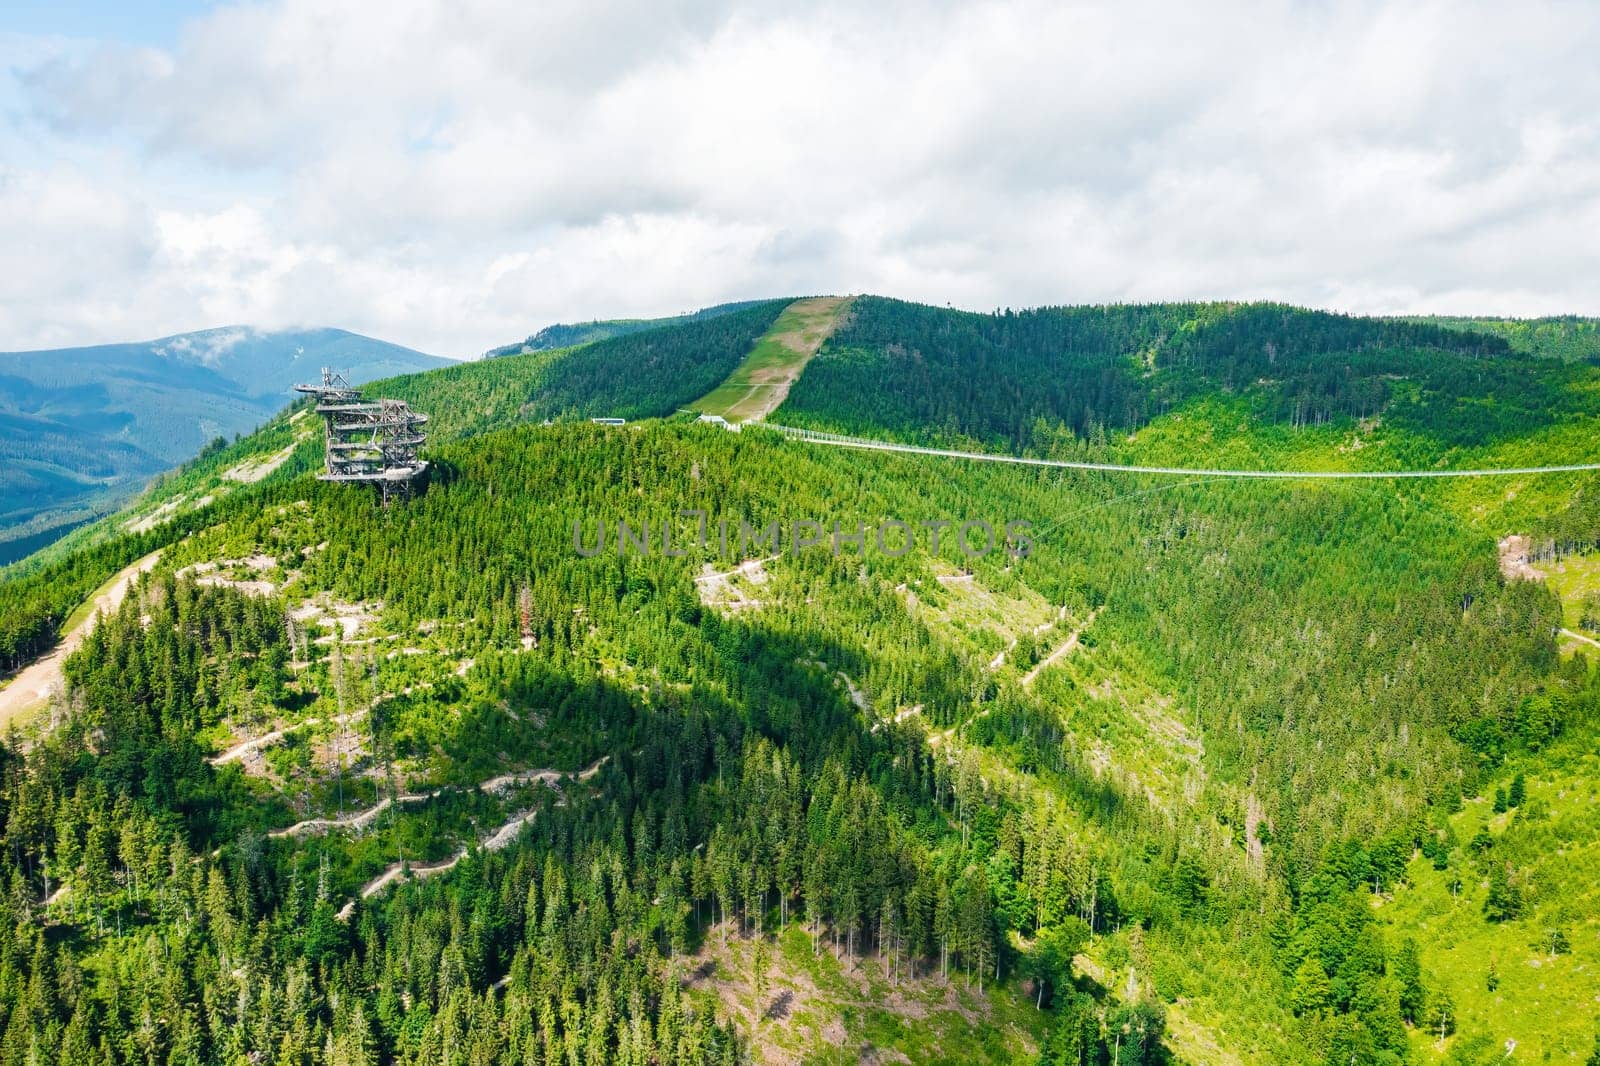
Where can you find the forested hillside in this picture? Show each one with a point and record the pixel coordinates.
(1008, 379)
(1567, 337)
(645, 374)
(1219, 772)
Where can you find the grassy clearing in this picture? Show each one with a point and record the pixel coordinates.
(821, 1008)
(1574, 579)
(986, 622)
(761, 382)
(1544, 1001)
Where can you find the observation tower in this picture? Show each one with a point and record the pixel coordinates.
(373, 441)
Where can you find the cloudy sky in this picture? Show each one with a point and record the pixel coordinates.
(453, 174)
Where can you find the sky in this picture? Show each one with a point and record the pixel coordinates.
(454, 175)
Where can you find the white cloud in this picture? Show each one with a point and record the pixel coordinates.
(206, 348)
(454, 175)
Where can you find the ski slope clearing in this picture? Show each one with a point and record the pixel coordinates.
(762, 381)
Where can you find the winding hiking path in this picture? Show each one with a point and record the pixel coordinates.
(36, 683)
(1580, 636)
(1039, 630)
(393, 873)
(502, 837)
(355, 820)
(363, 818)
(838, 440)
(549, 777)
(245, 747)
(1065, 648)
(716, 589)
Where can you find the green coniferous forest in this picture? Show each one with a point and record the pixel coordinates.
(1220, 772)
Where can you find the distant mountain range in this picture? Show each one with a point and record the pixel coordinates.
(82, 428)
(567, 334)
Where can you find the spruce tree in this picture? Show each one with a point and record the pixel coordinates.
(1312, 992)
(1503, 902)
(1407, 970)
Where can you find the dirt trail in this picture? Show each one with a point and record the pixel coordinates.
(1580, 636)
(363, 818)
(501, 838)
(37, 682)
(1039, 630)
(716, 589)
(857, 697)
(549, 777)
(393, 873)
(254, 469)
(1065, 649)
(265, 740)
(355, 820)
